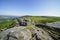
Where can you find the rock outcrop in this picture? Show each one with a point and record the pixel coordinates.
(25, 30)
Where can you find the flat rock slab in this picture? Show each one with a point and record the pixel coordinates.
(54, 24)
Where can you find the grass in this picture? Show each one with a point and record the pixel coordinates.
(7, 24)
(42, 19)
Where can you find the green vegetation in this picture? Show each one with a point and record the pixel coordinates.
(7, 24)
(42, 19)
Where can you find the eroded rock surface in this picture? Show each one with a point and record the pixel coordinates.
(42, 34)
(16, 33)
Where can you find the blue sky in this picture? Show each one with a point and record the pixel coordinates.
(30, 7)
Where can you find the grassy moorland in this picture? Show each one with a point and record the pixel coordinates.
(42, 19)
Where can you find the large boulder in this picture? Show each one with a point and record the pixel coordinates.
(16, 33)
(24, 21)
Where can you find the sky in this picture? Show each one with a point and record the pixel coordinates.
(30, 7)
